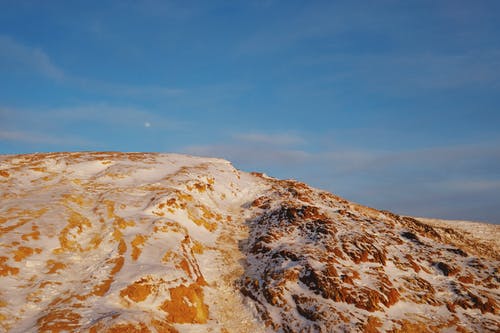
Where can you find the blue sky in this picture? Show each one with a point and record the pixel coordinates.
(393, 104)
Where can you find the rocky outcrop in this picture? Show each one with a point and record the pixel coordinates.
(326, 265)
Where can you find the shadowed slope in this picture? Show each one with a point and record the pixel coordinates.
(318, 263)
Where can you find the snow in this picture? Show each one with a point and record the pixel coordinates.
(99, 191)
(98, 240)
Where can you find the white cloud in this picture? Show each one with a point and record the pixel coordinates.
(20, 56)
(467, 185)
(281, 149)
(39, 138)
(124, 116)
(57, 127)
(39, 125)
(459, 182)
(284, 139)
(258, 150)
(251, 155)
(127, 90)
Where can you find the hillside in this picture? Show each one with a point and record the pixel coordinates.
(135, 242)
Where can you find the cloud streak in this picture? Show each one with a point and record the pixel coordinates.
(280, 139)
(460, 182)
(125, 90)
(123, 117)
(39, 138)
(250, 156)
(89, 127)
(17, 55)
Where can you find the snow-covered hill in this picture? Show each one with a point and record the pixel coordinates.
(115, 242)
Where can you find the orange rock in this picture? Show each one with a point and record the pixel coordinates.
(186, 305)
(413, 264)
(412, 327)
(122, 223)
(102, 289)
(194, 216)
(129, 328)
(197, 247)
(76, 222)
(372, 323)
(184, 265)
(137, 292)
(23, 252)
(6, 269)
(466, 279)
(34, 235)
(60, 320)
(54, 266)
(137, 245)
(392, 297)
(122, 247)
(200, 187)
(163, 327)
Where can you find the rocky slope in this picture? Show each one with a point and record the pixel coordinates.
(113, 242)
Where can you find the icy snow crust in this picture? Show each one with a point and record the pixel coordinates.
(134, 242)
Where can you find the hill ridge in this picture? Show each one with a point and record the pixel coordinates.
(149, 242)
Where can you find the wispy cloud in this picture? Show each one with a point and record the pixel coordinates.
(281, 139)
(257, 149)
(469, 186)
(171, 9)
(402, 74)
(89, 127)
(14, 54)
(302, 23)
(291, 29)
(428, 71)
(125, 90)
(251, 156)
(359, 44)
(123, 116)
(458, 181)
(119, 117)
(39, 138)
(17, 56)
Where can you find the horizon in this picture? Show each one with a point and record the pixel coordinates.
(392, 105)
